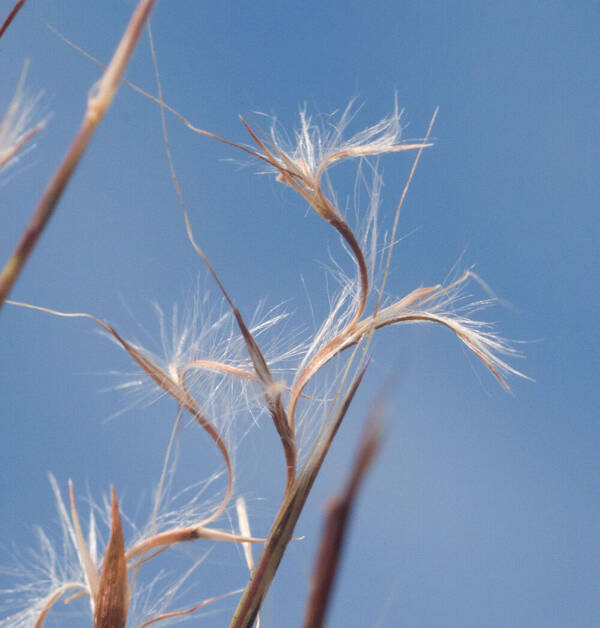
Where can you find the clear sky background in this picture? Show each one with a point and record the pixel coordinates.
(483, 507)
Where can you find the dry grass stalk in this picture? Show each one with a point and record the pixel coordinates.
(350, 325)
(11, 16)
(98, 104)
(285, 522)
(339, 509)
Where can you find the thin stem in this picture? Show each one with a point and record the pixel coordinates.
(98, 104)
(339, 510)
(333, 346)
(261, 368)
(54, 598)
(156, 100)
(11, 16)
(388, 260)
(17, 147)
(175, 389)
(190, 533)
(287, 517)
(187, 611)
(163, 476)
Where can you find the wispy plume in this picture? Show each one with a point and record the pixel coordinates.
(314, 146)
(21, 122)
(200, 345)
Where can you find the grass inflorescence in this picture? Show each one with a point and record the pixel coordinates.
(216, 365)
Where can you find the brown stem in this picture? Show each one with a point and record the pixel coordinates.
(187, 611)
(176, 390)
(179, 392)
(11, 16)
(339, 510)
(283, 526)
(54, 598)
(351, 334)
(263, 374)
(328, 351)
(97, 107)
(15, 149)
(191, 533)
(344, 230)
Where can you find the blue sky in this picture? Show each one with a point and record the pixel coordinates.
(482, 508)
